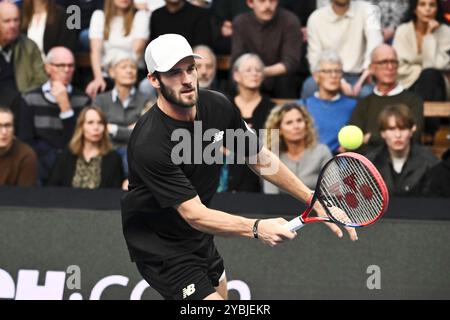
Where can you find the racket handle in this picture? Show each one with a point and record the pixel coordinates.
(294, 224)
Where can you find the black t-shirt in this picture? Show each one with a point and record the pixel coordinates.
(153, 229)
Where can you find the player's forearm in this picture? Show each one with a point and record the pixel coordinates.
(201, 218)
(273, 170)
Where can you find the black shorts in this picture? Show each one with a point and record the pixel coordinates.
(189, 277)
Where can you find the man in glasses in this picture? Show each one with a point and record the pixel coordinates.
(17, 160)
(388, 91)
(49, 112)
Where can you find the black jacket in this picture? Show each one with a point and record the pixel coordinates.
(58, 34)
(414, 179)
(440, 177)
(64, 170)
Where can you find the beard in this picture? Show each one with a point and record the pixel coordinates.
(170, 96)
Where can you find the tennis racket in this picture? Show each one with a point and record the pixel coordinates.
(350, 189)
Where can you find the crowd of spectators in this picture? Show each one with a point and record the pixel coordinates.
(370, 63)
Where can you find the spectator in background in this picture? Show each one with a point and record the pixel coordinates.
(206, 67)
(87, 8)
(403, 164)
(353, 30)
(388, 91)
(18, 162)
(122, 105)
(21, 66)
(330, 110)
(44, 22)
(423, 46)
(274, 34)
(118, 27)
(181, 17)
(392, 14)
(254, 107)
(49, 112)
(223, 13)
(297, 144)
(440, 177)
(89, 162)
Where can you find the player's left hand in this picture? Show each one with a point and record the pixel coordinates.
(334, 227)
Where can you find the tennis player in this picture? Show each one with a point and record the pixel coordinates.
(167, 224)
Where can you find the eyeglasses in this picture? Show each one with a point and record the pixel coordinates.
(6, 126)
(330, 72)
(386, 63)
(62, 66)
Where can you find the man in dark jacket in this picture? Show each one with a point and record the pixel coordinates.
(21, 66)
(403, 164)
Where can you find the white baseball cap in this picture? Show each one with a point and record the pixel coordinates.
(166, 51)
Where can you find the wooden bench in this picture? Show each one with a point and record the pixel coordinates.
(436, 110)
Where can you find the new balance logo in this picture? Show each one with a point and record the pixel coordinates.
(218, 136)
(189, 290)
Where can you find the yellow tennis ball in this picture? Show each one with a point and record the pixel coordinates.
(350, 137)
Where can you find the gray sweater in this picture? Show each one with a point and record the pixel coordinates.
(307, 168)
(117, 114)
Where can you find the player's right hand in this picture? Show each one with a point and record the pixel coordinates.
(273, 232)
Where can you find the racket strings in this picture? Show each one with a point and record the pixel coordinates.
(350, 192)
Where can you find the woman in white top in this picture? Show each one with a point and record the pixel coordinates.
(44, 22)
(297, 144)
(118, 27)
(423, 46)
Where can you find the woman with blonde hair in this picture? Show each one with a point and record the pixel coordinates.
(296, 142)
(118, 27)
(90, 161)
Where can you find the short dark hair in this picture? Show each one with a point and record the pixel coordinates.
(402, 114)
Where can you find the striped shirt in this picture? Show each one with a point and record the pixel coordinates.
(41, 118)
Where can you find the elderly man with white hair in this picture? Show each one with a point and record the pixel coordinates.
(206, 67)
(48, 113)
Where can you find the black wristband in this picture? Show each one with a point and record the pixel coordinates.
(255, 228)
